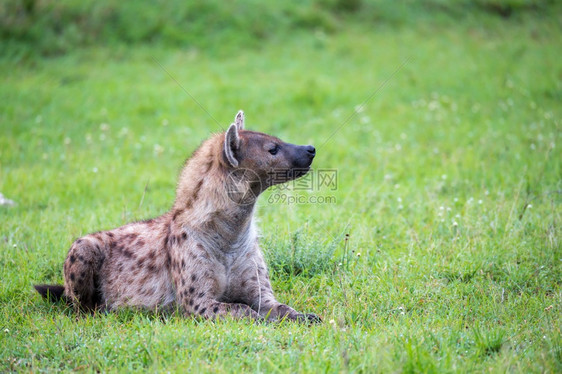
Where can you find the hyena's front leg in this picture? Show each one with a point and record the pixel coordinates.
(198, 287)
(259, 295)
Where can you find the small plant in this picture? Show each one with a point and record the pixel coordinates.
(488, 342)
(299, 254)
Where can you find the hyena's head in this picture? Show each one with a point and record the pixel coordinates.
(264, 160)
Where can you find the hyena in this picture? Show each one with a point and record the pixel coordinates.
(203, 255)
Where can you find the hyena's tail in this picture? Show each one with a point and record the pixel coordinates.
(51, 292)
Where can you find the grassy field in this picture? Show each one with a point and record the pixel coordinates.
(437, 251)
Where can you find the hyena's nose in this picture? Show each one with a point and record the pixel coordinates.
(311, 150)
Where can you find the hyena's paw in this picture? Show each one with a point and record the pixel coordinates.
(311, 318)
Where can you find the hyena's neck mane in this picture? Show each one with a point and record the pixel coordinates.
(202, 201)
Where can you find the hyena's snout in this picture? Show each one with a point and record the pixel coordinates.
(302, 160)
(305, 156)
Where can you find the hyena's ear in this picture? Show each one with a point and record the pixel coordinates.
(239, 120)
(231, 144)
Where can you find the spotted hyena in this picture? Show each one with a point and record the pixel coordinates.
(203, 255)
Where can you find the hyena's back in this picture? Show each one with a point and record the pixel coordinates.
(124, 266)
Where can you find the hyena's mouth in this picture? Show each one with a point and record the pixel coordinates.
(298, 172)
(278, 176)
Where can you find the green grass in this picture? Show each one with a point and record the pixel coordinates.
(449, 183)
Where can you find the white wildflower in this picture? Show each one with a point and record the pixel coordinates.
(158, 149)
(6, 202)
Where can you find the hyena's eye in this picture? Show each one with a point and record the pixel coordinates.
(274, 149)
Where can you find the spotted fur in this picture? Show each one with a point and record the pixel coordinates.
(203, 255)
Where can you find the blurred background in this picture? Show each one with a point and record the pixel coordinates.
(49, 27)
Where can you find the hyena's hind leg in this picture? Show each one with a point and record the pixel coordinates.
(82, 274)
